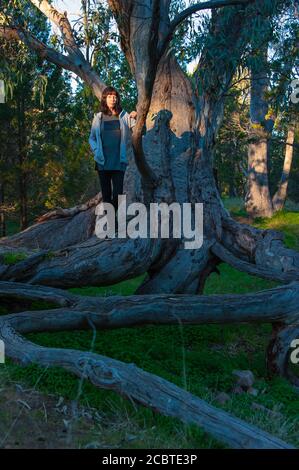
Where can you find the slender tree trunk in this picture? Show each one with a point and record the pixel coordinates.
(2, 213)
(22, 164)
(280, 196)
(232, 178)
(258, 201)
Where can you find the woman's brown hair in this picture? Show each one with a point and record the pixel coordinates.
(109, 90)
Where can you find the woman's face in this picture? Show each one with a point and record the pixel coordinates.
(111, 101)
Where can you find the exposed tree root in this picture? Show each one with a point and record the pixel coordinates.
(180, 274)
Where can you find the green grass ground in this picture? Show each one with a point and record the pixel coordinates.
(198, 358)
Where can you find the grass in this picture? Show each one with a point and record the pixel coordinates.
(198, 358)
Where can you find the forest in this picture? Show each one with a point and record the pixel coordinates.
(135, 341)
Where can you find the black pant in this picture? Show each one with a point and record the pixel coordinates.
(116, 177)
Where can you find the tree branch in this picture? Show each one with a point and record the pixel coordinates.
(60, 212)
(83, 67)
(258, 252)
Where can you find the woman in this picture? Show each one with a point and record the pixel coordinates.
(108, 139)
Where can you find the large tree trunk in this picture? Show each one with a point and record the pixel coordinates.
(258, 201)
(280, 196)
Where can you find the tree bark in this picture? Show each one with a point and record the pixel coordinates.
(140, 387)
(180, 152)
(93, 262)
(57, 229)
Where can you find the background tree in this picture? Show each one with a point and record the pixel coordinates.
(266, 105)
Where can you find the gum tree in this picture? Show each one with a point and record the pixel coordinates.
(270, 103)
(172, 162)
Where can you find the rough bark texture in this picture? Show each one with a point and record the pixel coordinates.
(180, 152)
(277, 305)
(93, 262)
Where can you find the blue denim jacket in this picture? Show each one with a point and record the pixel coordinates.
(126, 123)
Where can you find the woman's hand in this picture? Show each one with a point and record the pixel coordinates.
(133, 115)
